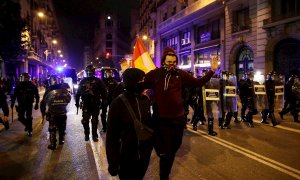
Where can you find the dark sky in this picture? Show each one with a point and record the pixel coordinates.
(77, 19)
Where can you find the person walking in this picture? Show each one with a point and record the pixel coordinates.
(127, 155)
(111, 83)
(166, 84)
(25, 93)
(92, 91)
(5, 109)
(56, 97)
(247, 96)
(288, 98)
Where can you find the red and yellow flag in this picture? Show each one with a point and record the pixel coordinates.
(141, 58)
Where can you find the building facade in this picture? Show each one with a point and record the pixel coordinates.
(40, 40)
(249, 36)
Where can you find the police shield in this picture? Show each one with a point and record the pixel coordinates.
(279, 92)
(230, 94)
(260, 93)
(211, 97)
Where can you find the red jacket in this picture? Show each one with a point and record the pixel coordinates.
(167, 89)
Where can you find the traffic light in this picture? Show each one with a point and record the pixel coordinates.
(107, 55)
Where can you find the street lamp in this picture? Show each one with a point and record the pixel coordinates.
(54, 41)
(41, 14)
(145, 37)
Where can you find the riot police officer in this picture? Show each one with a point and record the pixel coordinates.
(288, 96)
(111, 83)
(229, 98)
(270, 91)
(91, 90)
(25, 93)
(56, 97)
(295, 100)
(246, 94)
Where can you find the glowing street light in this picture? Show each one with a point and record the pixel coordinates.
(145, 37)
(58, 51)
(61, 55)
(54, 41)
(41, 14)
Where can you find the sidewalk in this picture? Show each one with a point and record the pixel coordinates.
(2, 128)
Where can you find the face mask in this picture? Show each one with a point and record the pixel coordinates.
(170, 67)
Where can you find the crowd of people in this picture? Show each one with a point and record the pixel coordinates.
(159, 101)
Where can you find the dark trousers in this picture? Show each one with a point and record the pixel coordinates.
(133, 169)
(88, 112)
(56, 122)
(170, 133)
(25, 116)
(103, 115)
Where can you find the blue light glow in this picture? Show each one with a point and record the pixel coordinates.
(59, 69)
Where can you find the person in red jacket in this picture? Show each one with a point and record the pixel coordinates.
(166, 84)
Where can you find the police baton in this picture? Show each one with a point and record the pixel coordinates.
(12, 115)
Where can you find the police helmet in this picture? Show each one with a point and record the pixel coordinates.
(53, 79)
(204, 72)
(108, 73)
(25, 77)
(225, 74)
(249, 75)
(90, 70)
(270, 75)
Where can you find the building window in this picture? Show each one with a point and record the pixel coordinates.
(185, 39)
(203, 58)
(172, 42)
(173, 11)
(185, 60)
(215, 29)
(282, 9)
(240, 20)
(244, 61)
(108, 37)
(165, 16)
(108, 23)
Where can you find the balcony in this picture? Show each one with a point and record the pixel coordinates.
(33, 56)
(282, 19)
(237, 28)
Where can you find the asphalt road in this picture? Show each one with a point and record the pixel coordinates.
(262, 152)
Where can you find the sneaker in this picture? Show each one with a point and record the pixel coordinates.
(195, 128)
(51, 146)
(95, 139)
(264, 121)
(236, 120)
(61, 141)
(6, 124)
(227, 127)
(86, 138)
(213, 133)
(251, 125)
(275, 123)
(281, 115)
